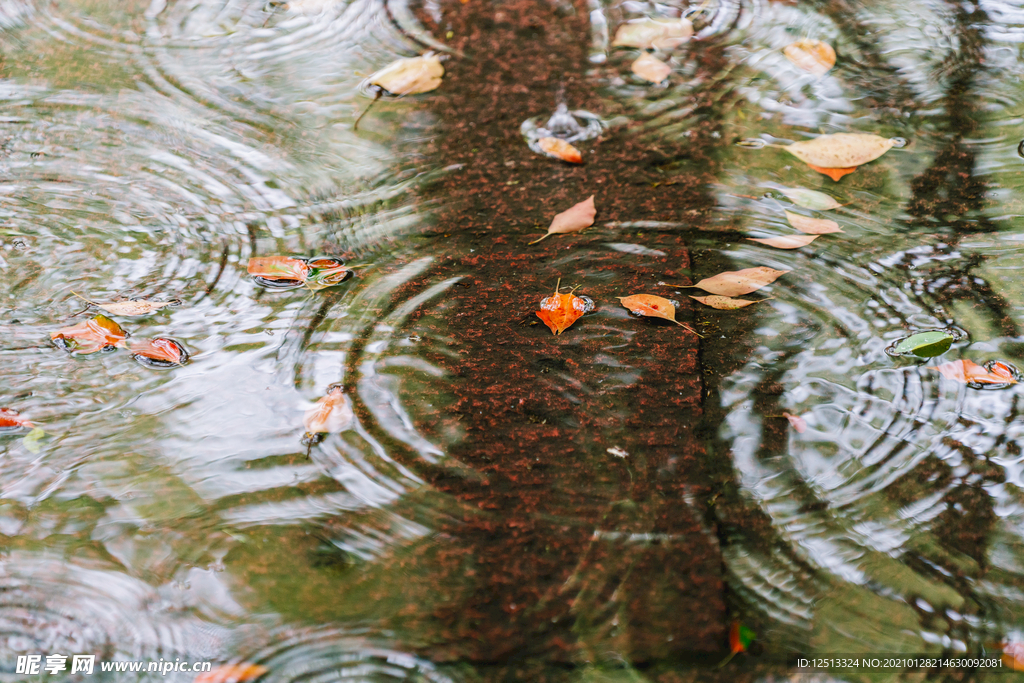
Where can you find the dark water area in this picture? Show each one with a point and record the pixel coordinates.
(505, 504)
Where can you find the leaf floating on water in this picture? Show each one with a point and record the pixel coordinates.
(31, 442)
(232, 673)
(650, 68)
(798, 423)
(411, 75)
(278, 269)
(969, 372)
(159, 352)
(835, 174)
(653, 307)
(572, 219)
(663, 34)
(560, 311)
(325, 271)
(812, 226)
(785, 241)
(725, 303)
(736, 282)
(810, 199)
(11, 419)
(811, 55)
(332, 413)
(560, 149)
(841, 151)
(133, 307)
(925, 344)
(90, 336)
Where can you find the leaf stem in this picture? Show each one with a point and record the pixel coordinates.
(355, 126)
(548, 234)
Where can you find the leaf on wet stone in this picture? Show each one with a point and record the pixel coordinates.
(90, 336)
(810, 199)
(650, 68)
(785, 241)
(737, 282)
(840, 151)
(232, 673)
(573, 219)
(798, 423)
(652, 306)
(560, 311)
(11, 419)
(663, 34)
(331, 414)
(560, 149)
(812, 226)
(925, 344)
(969, 372)
(811, 55)
(410, 75)
(725, 303)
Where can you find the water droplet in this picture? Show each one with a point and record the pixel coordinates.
(898, 142)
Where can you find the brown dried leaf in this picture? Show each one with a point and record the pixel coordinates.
(785, 241)
(736, 282)
(560, 149)
(811, 55)
(134, 307)
(410, 76)
(812, 226)
(843, 151)
(332, 413)
(650, 68)
(572, 219)
(799, 424)
(724, 303)
(663, 34)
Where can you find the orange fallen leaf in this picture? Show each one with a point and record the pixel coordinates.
(652, 306)
(332, 413)
(90, 336)
(724, 303)
(799, 424)
(232, 673)
(572, 219)
(785, 241)
(834, 173)
(812, 226)
(736, 282)
(811, 55)
(159, 352)
(560, 311)
(560, 149)
(650, 68)
(11, 419)
(277, 269)
(1013, 656)
(969, 372)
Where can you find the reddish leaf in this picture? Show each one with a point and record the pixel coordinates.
(158, 352)
(560, 311)
(232, 673)
(332, 413)
(969, 372)
(90, 336)
(834, 173)
(10, 419)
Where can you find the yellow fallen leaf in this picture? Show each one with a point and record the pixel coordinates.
(724, 303)
(840, 150)
(663, 34)
(785, 241)
(811, 55)
(560, 149)
(736, 282)
(411, 75)
(650, 68)
(572, 219)
(812, 226)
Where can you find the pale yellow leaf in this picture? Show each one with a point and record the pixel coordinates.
(663, 34)
(650, 68)
(811, 55)
(840, 150)
(786, 241)
(724, 303)
(573, 219)
(812, 226)
(134, 307)
(411, 75)
(737, 282)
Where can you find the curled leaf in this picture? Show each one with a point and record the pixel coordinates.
(653, 307)
(798, 423)
(232, 673)
(810, 199)
(969, 372)
(158, 353)
(785, 241)
(842, 151)
(811, 55)
(11, 420)
(410, 76)
(736, 282)
(812, 226)
(650, 68)
(332, 413)
(572, 219)
(663, 34)
(724, 303)
(99, 334)
(560, 149)
(560, 311)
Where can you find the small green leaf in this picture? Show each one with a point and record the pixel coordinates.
(747, 636)
(925, 344)
(810, 199)
(31, 440)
